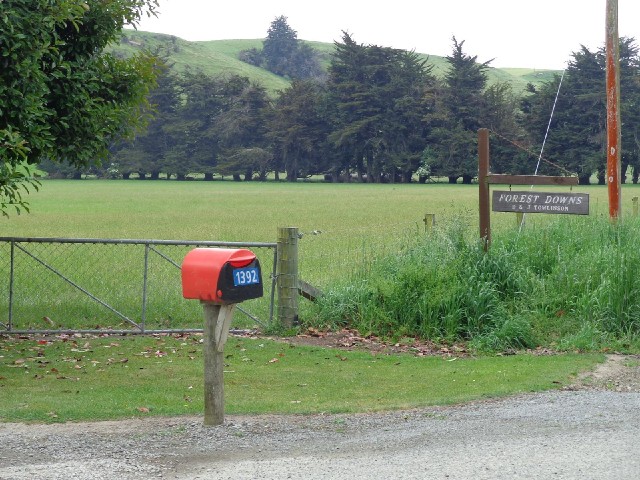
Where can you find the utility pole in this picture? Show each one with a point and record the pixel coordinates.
(613, 110)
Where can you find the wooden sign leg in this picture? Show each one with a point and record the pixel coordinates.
(217, 320)
(484, 201)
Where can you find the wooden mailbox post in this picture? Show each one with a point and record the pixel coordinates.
(220, 278)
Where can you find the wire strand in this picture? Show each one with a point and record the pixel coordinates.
(533, 154)
(546, 134)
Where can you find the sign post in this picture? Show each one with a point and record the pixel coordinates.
(525, 202)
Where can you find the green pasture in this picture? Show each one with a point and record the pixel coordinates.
(344, 228)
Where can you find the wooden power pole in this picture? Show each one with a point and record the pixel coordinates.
(613, 110)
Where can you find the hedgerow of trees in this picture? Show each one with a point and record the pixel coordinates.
(380, 115)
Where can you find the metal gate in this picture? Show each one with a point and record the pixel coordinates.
(82, 285)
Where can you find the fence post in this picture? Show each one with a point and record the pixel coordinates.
(287, 275)
(429, 222)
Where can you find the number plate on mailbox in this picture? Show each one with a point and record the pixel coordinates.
(246, 276)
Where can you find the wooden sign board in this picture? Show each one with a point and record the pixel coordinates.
(540, 202)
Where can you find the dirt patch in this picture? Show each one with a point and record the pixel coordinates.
(619, 373)
(347, 339)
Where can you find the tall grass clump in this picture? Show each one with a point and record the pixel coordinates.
(570, 283)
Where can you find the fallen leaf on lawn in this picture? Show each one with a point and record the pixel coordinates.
(160, 353)
(143, 410)
(19, 361)
(274, 360)
(54, 370)
(342, 359)
(124, 360)
(187, 399)
(314, 332)
(52, 414)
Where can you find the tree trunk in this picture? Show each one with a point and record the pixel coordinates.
(126, 175)
(466, 179)
(583, 179)
(155, 175)
(453, 179)
(208, 177)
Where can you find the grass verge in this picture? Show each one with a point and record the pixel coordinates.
(85, 379)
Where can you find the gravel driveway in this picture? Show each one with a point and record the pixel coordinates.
(582, 433)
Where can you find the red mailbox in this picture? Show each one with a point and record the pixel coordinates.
(221, 275)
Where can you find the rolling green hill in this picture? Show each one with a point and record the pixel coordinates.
(220, 57)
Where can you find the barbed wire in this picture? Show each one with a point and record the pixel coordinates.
(531, 153)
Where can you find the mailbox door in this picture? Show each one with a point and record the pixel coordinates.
(237, 283)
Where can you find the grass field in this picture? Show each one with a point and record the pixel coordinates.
(354, 224)
(351, 221)
(344, 226)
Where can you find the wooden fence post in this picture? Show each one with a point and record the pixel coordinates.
(429, 222)
(287, 276)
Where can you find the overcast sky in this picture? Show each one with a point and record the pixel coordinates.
(516, 33)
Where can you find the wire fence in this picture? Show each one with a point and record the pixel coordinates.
(111, 286)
